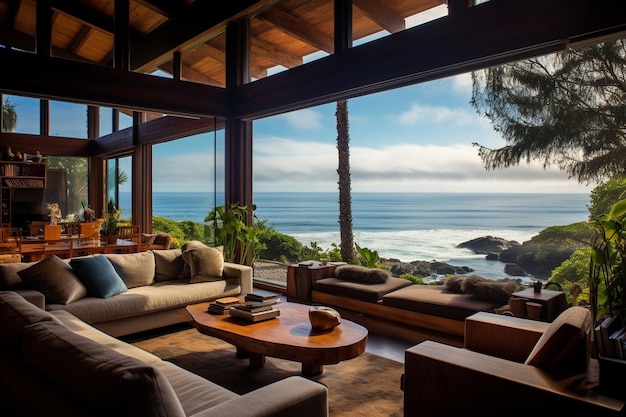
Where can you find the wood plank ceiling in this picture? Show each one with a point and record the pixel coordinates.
(282, 32)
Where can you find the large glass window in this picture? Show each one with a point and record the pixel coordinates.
(119, 185)
(68, 119)
(188, 182)
(25, 114)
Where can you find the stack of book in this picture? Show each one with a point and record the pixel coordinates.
(222, 305)
(610, 337)
(255, 311)
(262, 296)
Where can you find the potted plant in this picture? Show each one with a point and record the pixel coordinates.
(231, 231)
(110, 219)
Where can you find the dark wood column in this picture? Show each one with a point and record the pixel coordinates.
(238, 132)
(141, 178)
(96, 166)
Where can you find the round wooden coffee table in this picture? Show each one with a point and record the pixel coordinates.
(288, 336)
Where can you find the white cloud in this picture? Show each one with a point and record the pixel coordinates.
(436, 114)
(406, 167)
(304, 119)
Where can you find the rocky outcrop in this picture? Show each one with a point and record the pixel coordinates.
(488, 245)
(423, 269)
(537, 259)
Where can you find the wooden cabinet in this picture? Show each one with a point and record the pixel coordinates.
(19, 175)
(302, 276)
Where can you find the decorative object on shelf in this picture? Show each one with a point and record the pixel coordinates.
(89, 214)
(323, 318)
(38, 157)
(8, 154)
(54, 212)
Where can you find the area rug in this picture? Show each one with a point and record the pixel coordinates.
(368, 385)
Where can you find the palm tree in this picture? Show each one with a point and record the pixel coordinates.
(345, 200)
(9, 116)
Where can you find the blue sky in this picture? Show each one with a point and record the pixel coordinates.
(413, 139)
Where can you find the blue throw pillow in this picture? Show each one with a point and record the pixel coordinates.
(98, 275)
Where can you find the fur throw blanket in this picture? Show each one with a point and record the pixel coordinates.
(361, 274)
(483, 288)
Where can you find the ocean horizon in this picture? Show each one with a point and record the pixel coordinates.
(404, 226)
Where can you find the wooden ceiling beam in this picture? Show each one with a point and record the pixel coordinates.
(199, 22)
(62, 79)
(189, 74)
(165, 8)
(382, 16)
(273, 53)
(80, 39)
(288, 24)
(154, 131)
(490, 34)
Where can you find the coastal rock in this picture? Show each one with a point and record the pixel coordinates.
(487, 244)
(423, 269)
(492, 256)
(514, 270)
(537, 259)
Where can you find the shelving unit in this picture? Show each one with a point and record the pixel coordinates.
(22, 175)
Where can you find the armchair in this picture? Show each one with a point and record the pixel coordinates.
(510, 367)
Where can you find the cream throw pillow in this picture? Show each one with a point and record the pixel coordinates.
(206, 264)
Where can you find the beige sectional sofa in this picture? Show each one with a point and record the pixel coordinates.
(159, 284)
(54, 364)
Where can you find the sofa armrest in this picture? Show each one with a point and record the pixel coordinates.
(243, 272)
(442, 380)
(506, 337)
(293, 396)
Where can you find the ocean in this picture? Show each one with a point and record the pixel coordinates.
(405, 226)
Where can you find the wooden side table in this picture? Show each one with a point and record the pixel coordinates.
(552, 302)
(302, 276)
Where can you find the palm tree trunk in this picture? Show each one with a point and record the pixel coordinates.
(345, 200)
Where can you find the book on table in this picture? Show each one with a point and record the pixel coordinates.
(228, 301)
(254, 307)
(255, 317)
(262, 295)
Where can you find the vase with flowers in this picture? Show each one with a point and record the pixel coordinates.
(110, 219)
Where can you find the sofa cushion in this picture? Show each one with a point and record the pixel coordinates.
(371, 293)
(98, 275)
(361, 274)
(563, 348)
(169, 264)
(55, 279)
(107, 381)
(206, 264)
(16, 313)
(135, 269)
(186, 272)
(454, 283)
(9, 277)
(436, 300)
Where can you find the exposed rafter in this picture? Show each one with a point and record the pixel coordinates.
(388, 20)
(289, 24)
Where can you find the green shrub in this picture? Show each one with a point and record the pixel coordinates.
(412, 278)
(278, 246)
